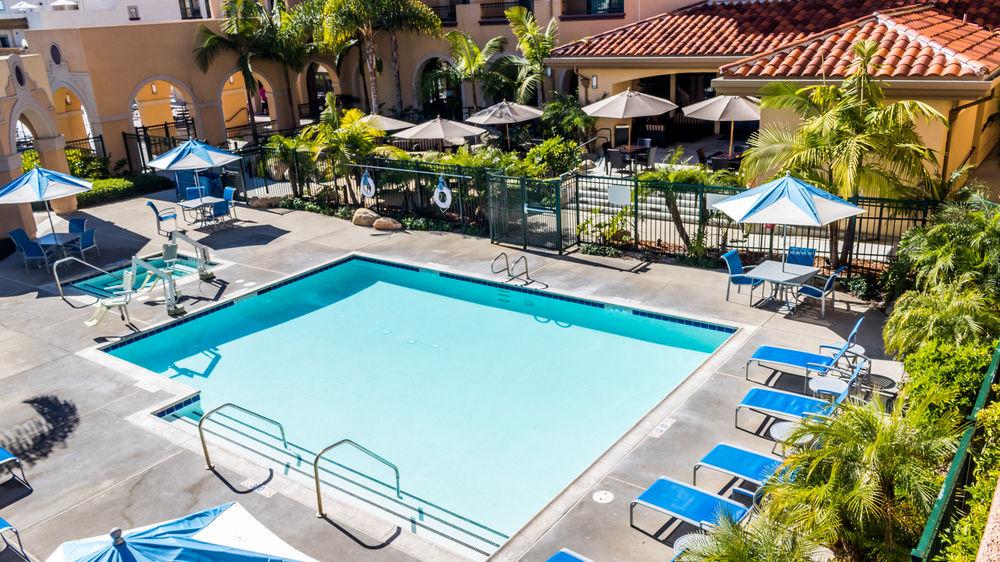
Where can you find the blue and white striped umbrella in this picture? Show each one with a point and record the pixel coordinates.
(42, 184)
(788, 201)
(192, 155)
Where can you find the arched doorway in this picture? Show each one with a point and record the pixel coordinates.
(570, 83)
(163, 108)
(319, 82)
(71, 115)
(440, 97)
(243, 113)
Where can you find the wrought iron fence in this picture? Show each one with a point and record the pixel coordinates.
(592, 7)
(179, 128)
(496, 11)
(140, 149)
(93, 146)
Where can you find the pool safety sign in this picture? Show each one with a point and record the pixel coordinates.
(442, 194)
(367, 185)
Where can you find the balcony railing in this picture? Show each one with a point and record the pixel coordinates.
(447, 12)
(190, 10)
(495, 11)
(593, 7)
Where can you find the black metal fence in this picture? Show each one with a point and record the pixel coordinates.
(92, 146)
(496, 11)
(140, 149)
(179, 128)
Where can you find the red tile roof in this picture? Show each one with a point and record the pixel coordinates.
(914, 42)
(747, 27)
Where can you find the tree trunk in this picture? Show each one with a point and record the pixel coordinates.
(675, 216)
(251, 120)
(834, 245)
(293, 175)
(364, 80)
(370, 64)
(848, 248)
(475, 100)
(291, 101)
(394, 42)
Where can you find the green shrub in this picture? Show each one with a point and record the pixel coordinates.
(563, 117)
(148, 183)
(345, 212)
(598, 250)
(552, 158)
(29, 159)
(896, 278)
(956, 369)
(116, 189)
(82, 163)
(424, 223)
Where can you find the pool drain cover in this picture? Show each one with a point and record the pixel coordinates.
(603, 496)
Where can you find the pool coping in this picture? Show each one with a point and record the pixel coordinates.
(520, 540)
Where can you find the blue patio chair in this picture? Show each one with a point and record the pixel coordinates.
(737, 276)
(77, 225)
(790, 406)
(30, 250)
(196, 192)
(162, 216)
(219, 213)
(7, 529)
(567, 555)
(686, 503)
(7, 459)
(797, 255)
(738, 462)
(86, 242)
(821, 293)
(229, 195)
(784, 357)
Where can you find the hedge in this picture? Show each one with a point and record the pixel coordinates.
(116, 189)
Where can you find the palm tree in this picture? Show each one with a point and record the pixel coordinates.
(468, 64)
(407, 16)
(337, 140)
(344, 20)
(851, 140)
(246, 33)
(872, 478)
(296, 33)
(768, 536)
(534, 44)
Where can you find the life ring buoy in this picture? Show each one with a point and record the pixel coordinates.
(442, 195)
(367, 185)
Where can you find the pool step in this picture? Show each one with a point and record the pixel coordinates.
(504, 295)
(420, 516)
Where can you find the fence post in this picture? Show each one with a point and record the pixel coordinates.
(558, 187)
(524, 215)
(635, 212)
(576, 199)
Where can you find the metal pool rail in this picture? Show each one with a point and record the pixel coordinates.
(379, 458)
(201, 428)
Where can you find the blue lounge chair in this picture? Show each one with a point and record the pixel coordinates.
(686, 503)
(30, 250)
(797, 255)
(821, 293)
(737, 276)
(162, 216)
(738, 462)
(567, 555)
(7, 529)
(784, 358)
(788, 405)
(9, 460)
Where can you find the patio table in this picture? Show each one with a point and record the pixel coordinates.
(59, 240)
(784, 278)
(201, 204)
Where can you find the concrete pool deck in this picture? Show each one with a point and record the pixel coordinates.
(93, 467)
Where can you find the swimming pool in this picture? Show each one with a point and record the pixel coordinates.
(105, 285)
(490, 399)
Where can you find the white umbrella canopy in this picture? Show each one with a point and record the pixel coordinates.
(629, 104)
(22, 6)
(439, 129)
(725, 108)
(40, 184)
(384, 123)
(64, 4)
(789, 201)
(505, 113)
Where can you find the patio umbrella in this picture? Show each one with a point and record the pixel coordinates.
(383, 123)
(439, 129)
(226, 533)
(42, 185)
(504, 113)
(192, 155)
(64, 4)
(725, 108)
(627, 105)
(22, 6)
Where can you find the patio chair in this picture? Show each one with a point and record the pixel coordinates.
(7, 529)
(686, 503)
(644, 142)
(229, 195)
(789, 405)
(30, 250)
(86, 242)
(616, 160)
(196, 192)
(738, 462)
(219, 213)
(737, 276)
(685, 542)
(797, 255)
(836, 379)
(651, 158)
(77, 225)
(567, 555)
(9, 460)
(167, 214)
(809, 362)
(821, 293)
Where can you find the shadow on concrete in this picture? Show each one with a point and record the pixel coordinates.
(256, 235)
(347, 533)
(13, 490)
(35, 439)
(235, 490)
(10, 554)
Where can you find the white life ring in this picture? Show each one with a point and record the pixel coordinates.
(442, 195)
(367, 185)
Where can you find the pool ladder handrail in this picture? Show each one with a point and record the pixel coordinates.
(201, 428)
(508, 268)
(319, 493)
(201, 253)
(67, 259)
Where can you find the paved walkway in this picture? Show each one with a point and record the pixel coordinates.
(93, 469)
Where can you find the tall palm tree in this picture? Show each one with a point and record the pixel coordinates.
(468, 63)
(851, 141)
(768, 536)
(296, 39)
(872, 478)
(246, 33)
(344, 20)
(534, 45)
(407, 16)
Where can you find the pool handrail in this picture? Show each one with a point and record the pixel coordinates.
(201, 429)
(55, 271)
(376, 456)
(201, 253)
(506, 262)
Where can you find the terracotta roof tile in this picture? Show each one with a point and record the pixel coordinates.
(914, 42)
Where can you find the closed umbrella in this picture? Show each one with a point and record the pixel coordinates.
(504, 113)
(725, 108)
(383, 123)
(439, 129)
(226, 533)
(627, 105)
(42, 185)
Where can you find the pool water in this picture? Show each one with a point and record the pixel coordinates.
(489, 400)
(108, 284)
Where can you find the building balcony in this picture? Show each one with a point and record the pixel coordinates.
(494, 12)
(447, 12)
(593, 9)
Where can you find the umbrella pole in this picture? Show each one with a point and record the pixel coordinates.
(507, 125)
(52, 225)
(784, 231)
(732, 129)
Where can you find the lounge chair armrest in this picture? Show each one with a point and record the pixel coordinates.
(818, 367)
(744, 492)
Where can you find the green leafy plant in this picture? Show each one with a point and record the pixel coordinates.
(613, 229)
(564, 117)
(534, 46)
(957, 370)
(116, 189)
(554, 157)
(768, 536)
(599, 250)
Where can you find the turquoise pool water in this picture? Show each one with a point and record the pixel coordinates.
(489, 400)
(106, 285)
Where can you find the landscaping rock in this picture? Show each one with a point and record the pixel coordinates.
(386, 223)
(264, 202)
(365, 217)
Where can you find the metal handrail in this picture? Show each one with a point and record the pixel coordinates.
(55, 271)
(319, 494)
(527, 278)
(506, 261)
(201, 430)
(597, 137)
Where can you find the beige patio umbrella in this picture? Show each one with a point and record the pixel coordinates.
(384, 123)
(627, 105)
(725, 108)
(440, 129)
(504, 113)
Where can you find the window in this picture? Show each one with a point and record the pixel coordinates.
(190, 9)
(56, 54)
(133, 13)
(5, 41)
